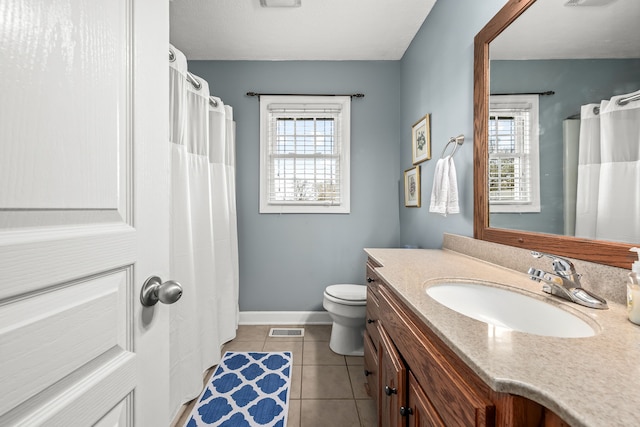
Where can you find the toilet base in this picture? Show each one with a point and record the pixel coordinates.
(348, 341)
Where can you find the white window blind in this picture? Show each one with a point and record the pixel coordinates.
(304, 154)
(513, 154)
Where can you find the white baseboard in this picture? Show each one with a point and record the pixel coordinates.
(284, 318)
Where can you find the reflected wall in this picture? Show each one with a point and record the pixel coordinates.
(575, 82)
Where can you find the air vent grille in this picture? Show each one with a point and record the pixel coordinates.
(286, 332)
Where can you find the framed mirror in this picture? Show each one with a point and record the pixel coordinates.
(526, 60)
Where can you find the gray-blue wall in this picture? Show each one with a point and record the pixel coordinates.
(437, 78)
(287, 260)
(575, 82)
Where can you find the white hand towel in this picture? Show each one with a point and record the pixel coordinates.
(444, 195)
(440, 187)
(452, 194)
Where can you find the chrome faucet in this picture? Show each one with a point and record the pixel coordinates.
(564, 282)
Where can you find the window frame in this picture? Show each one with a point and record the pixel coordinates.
(305, 102)
(516, 102)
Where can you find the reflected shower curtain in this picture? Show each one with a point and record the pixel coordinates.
(608, 195)
(196, 332)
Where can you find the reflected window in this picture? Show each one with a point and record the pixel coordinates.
(514, 178)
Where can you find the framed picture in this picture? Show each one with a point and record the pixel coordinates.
(412, 187)
(421, 140)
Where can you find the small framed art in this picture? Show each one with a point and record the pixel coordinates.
(412, 187)
(421, 140)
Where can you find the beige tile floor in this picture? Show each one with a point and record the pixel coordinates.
(327, 389)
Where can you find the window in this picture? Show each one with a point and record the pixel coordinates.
(514, 183)
(304, 154)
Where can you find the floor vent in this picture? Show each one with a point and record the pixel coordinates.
(286, 332)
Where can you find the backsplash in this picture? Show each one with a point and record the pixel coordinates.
(608, 282)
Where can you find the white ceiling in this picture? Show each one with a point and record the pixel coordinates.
(318, 30)
(550, 30)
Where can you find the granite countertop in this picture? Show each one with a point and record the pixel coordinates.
(586, 381)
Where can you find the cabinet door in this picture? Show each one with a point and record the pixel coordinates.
(371, 370)
(392, 389)
(419, 410)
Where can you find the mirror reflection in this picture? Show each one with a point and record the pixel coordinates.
(564, 121)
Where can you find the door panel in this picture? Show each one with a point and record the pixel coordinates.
(83, 212)
(68, 78)
(43, 259)
(80, 321)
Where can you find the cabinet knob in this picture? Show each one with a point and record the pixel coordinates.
(404, 411)
(369, 280)
(389, 391)
(370, 321)
(367, 373)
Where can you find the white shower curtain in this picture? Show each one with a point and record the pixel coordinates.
(223, 171)
(608, 195)
(206, 268)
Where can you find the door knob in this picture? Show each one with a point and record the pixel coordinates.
(154, 290)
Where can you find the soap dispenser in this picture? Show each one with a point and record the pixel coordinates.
(633, 290)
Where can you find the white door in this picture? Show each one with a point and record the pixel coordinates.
(83, 212)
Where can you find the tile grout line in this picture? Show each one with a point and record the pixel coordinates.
(351, 379)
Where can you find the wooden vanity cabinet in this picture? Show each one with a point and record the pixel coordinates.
(418, 381)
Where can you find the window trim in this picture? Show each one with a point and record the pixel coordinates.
(534, 156)
(306, 102)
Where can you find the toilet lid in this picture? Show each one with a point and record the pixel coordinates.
(348, 292)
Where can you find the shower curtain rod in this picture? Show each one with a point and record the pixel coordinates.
(190, 77)
(352, 95)
(621, 101)
(625, 101)
(549, 92)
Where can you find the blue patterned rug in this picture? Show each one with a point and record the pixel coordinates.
(247, 389)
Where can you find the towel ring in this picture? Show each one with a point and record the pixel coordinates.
(457, 141)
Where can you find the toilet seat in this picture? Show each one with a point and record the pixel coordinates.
(347, 294)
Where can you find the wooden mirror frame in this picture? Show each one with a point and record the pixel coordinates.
(602, 252)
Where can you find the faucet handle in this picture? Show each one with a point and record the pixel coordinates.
(560, 265)
(535, 274)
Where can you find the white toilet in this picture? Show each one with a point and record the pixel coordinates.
(347, 306)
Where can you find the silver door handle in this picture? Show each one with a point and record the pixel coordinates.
(154, 290)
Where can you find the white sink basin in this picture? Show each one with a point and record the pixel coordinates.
(510, 310)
